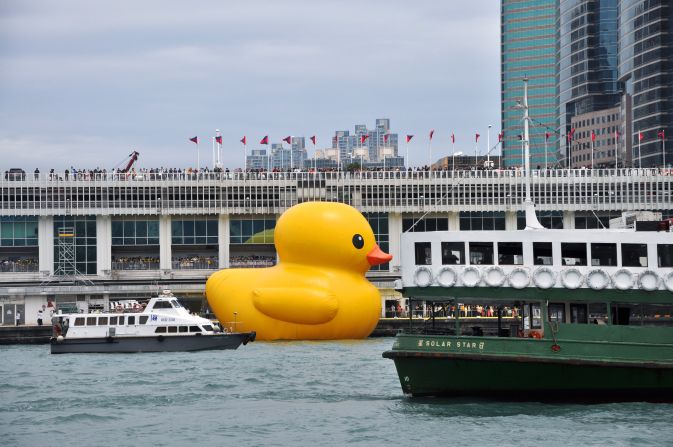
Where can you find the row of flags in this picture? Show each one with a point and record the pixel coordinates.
(363, 138)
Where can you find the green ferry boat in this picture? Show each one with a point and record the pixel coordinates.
(582, 315)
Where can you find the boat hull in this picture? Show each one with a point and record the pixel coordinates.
(150, 344)
(520, 378)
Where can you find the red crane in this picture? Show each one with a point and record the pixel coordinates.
(132, 158)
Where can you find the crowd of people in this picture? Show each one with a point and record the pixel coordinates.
(195, 263)
(252, 261)
(135, 263)
(449, 311)
(19, 265)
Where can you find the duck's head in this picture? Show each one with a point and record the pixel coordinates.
(327, 234)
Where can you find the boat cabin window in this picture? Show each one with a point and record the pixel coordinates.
(90, 321)
(172, 329)
(142, 319)
(574, 253)
(557, 312)
(652, 314)
(532, 316)
(102, 321)
(634, 255)
(79, 321)
(453, 253)
(207, 327)
(579, 313)
(132, 319)
(182, 329)
(113, 321)
(542, 253)
(176, 304)
(160, 330)
(423, 252)
(665, 255)
(510, 253)
(603, 254)
(121, 321)
(194, 329)
(162, 305)
(481, 253)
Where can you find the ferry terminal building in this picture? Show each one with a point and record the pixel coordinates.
(89, 241)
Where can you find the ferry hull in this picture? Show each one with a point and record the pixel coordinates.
(150, 344)
(448, 375)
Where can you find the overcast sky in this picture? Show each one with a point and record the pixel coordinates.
(82, 83)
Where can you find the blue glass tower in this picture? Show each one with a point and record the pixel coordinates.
(528, 49)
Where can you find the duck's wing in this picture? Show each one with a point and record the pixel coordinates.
(296, 304)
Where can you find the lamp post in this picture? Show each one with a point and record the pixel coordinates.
(488, 146)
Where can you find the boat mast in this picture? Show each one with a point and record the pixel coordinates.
(531, 219)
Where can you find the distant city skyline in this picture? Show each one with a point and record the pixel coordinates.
(83, 84)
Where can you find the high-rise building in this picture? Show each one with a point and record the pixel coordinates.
(528, 49)
(587, 68)
(376, 143)
(646, 72)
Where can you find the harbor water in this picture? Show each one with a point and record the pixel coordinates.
(289, 393)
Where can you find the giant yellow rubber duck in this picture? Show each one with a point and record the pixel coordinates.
(318, 290)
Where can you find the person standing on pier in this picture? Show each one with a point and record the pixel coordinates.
(40, 314)
(18, 318)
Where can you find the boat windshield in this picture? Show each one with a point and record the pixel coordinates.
(176, 304)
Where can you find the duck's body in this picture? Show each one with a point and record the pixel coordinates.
(317, 290)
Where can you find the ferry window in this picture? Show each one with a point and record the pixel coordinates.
(453, 253)
(652, 314)
(90, 321)
(481, 253)
(598, 313)
(132, 319)
(532, 318)
(621, 314)
(162, 305)
(121, 321)
(604, 254)
(102, 321)
(194, 329)
(557, 312)
(183, 329)
(207, 327)
(423, 253)
(142, 319)
(578, 313)
(176, 304)
(574, 253)
(634, 255)
(665, 255)
(542, 253)
(113, 321)
(510, 253)
(160, 330)
(172, 329)
(79, 321)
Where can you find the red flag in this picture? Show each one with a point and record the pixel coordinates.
(640, 136)
(385, 137)
(363, 138)
(432, 132)
(476, 138)
(453, 138)
(265, 140)
(546, 136)
(313, 139)
(660, 134)
(244, 140)
(572, 132)
(194, 140)
(409, 137)
(499, 137)
(219, 139)
(288, 140)
(593, 136)
(616, 134)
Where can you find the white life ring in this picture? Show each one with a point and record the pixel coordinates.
(622, 279)
(572, 278)
(447, 277)
(494, 276)
(597, 279)
(544, 278)
(471, 276)
(423, 276)
(648, 280)
(668, 282)
(519, 278)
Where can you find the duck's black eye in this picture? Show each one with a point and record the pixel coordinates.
(358, 241)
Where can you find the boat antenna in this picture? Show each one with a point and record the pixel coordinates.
(531, 219)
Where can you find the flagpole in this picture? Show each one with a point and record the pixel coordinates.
(488, 146)
(663, 149)
(616, 150)
(198, 157)
(430, 151)
(408, 166)
(453, 156)
(245, 157)
(640, 160)
(213, 152)
(545, 152)
(592, 150)
(291, 160)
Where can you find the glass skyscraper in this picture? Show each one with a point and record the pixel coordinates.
(528, 49)
(646, 72)
(587, 61)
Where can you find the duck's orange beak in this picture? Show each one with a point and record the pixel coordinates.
(377, 256)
